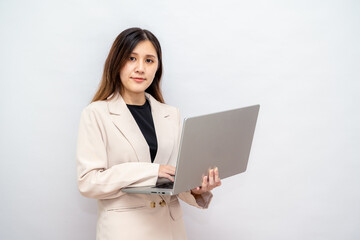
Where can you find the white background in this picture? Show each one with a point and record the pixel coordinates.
(299, 60)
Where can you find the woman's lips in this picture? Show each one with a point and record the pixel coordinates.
(139, 80)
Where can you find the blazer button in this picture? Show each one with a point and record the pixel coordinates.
(152, 204)
(162, 203)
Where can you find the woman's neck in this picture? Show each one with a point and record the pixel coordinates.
(134, 99)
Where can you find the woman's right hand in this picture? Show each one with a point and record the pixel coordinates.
(167, 171)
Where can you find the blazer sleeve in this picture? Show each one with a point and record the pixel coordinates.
(95, 179)
(200, 201)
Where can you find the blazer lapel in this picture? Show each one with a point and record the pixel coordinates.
(124, 121)
(164, 129)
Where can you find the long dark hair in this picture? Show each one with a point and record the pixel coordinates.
(120, 51)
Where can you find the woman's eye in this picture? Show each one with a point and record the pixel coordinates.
(149, 61)
(132, 58)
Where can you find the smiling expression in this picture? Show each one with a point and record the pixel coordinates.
(138, 72)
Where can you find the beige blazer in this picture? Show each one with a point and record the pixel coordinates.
(112, 153)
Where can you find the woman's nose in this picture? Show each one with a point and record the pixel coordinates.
(140, 67)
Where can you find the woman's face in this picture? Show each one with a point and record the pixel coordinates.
(139, 71)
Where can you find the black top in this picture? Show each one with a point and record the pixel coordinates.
(143, 118)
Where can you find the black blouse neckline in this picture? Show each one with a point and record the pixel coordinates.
(143, 117)
(139, 106)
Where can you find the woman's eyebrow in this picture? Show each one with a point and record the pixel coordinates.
(147, 55)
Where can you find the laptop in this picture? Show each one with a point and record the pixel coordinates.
(220, 140)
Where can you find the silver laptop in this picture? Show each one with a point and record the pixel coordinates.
(220, 140)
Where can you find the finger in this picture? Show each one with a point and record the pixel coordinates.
(211, 177)
(171, 178)
(217, 178)
(196, 190)
(166, 172)
(170, 172)
(204, 184)
(170, 169)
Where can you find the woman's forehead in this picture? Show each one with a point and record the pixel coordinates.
(145, 48)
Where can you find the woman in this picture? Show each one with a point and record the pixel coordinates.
(129, 137)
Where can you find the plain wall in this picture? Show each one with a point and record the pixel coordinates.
(299, 60)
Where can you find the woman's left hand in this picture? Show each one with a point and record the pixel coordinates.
(209, 182)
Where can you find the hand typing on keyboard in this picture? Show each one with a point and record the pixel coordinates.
(167, 171)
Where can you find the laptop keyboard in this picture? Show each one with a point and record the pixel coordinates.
(168, 185)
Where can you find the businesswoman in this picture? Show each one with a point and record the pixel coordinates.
(129, 137)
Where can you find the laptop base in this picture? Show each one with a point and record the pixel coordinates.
(149, 190)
